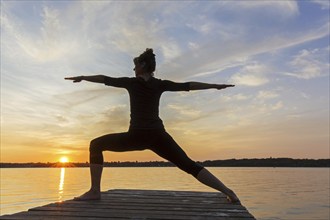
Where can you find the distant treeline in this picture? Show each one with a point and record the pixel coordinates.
(267, 162)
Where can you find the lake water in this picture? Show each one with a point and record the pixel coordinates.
(268, 193)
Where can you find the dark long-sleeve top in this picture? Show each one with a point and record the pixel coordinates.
(144, 98)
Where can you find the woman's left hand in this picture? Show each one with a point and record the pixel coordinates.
(223, 86)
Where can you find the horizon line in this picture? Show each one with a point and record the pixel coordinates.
(162, 161)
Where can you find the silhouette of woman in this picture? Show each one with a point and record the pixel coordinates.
(146, 130)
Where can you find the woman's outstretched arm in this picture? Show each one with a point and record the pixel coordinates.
(95, 78)
(201, 86)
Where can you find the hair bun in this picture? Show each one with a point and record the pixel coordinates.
(149, 52)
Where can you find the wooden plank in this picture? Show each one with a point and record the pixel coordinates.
(138, 210)
(142, 204)
(173, 196)
(164, 192)
(117, 218)
(168, 200)
(73, 204)
(150, 203)
(146, 208)
(56, 215)
(132, 208)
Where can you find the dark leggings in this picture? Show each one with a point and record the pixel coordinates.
(159, 141)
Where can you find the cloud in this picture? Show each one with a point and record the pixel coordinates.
(83, 96)
(237, 97)
(323, 3)
(308, 64)
(251, 75)
(278, 105)
(48, 42)
(98, 34)
(214, 55)
(184, 111)
(249, 80)
(267, 95)
(131, 34)
(284, 8)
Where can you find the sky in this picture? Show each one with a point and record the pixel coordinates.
(275, 52)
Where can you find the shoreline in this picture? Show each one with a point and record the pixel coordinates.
(266, 162)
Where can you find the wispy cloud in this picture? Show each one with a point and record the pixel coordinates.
(284, 8)
(183, 111)
(267, 95)
(324, 4)
(308, 64)
(251, 75)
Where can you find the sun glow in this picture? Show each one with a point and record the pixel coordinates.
(64, 159)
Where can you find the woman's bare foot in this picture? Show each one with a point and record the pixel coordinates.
(90, 195)
(232, 197)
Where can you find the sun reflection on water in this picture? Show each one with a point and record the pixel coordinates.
(61, 185)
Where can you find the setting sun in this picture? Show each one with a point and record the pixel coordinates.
(64, 159)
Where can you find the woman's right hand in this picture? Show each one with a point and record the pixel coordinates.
(75, 79)
(222, 86)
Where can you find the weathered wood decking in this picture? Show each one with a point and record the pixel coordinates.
(142, 204)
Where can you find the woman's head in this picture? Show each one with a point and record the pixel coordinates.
(146, 62)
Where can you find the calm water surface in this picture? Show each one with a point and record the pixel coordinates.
(268, 193)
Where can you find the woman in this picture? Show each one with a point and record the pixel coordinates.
(146, 129)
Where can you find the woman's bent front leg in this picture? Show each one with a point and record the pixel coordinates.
(95, 191)
(112, 142)
(96, 168)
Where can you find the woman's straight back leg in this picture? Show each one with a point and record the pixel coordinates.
(166, 147)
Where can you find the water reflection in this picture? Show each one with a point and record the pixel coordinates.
(61, 186)
(268, 193)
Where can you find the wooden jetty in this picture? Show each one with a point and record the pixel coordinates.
(142, 204)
